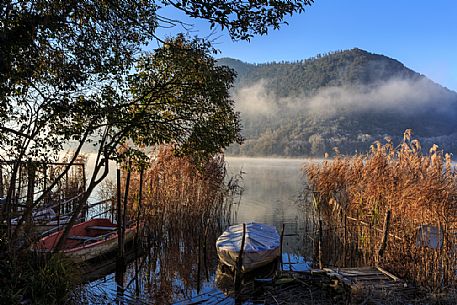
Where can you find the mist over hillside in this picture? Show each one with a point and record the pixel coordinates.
(345, 99)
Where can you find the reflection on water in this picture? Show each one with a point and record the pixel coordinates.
(183, 261)
(272, 189)
(177, 266)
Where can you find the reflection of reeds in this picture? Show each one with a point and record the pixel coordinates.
(184, 209)
(353, 195)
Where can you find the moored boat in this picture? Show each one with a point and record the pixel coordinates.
(86, 240)
(261, 246)
(45, 221)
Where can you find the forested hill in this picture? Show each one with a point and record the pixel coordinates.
(345, 99)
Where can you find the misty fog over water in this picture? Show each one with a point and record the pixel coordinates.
(271, 188)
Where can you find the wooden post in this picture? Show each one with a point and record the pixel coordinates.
(199, 264)
(345, 243)
(126, 198)
(86, 210)
(30, 190)
(66, 195)
(385, 235)
(19, 189)
(45, 184)
(280, 247)
(10, 199)
(320, 238)
(120, 248)
(205, 253)
(2, 185)
(140, 205)
(239, 262)
(119, 278)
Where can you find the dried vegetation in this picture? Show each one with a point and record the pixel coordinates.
(354, 194)
(184, 207)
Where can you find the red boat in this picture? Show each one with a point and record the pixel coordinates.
(86, 240)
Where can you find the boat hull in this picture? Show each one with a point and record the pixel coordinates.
(251, 260)
(97, 241)
(261, 245)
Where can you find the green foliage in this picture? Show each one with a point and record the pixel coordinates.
(64, 65)
(298, 131)
(181, 96)
(65, 77)
(349, 67)
(243, 19)
(53, 281)
(57, 60)
(45, 282)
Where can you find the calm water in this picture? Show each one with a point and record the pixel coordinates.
(272, 188)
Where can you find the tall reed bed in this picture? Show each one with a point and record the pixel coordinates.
(354, 194)
(175, 190)
(184, 207)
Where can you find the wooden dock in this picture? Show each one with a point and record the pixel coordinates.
(331, 285)
(214, 296)
(365, 277)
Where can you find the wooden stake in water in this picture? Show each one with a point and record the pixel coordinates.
(239, 262)
(280, 246)
(2, 192)
(120, 248)
(205, 253)
(385, 235)
(126, 196)
(140, 204)
(199, 265)
(321, 265)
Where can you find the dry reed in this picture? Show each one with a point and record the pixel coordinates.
(353, 195)
(184, 208)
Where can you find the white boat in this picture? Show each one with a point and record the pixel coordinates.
(261, 246)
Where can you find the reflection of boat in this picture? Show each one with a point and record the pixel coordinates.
(86, 240)
(106, 264)
(261, 245)
(225, 277)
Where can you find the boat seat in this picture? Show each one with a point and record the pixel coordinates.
(83, 238)
(101, 228)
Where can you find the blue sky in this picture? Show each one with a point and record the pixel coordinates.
(421, 34)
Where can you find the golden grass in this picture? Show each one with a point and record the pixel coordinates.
(184, 208)
(177, 189)
(353, 195)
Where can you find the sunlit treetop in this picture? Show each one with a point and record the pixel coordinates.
(61, 62)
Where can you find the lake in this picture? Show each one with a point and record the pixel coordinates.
(271, 192)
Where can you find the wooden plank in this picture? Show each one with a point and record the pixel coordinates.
(339, 276)
(396, 279)
(317, 271)
(368, 277)
(214, 296)
(353, 274)
(101, 228)
(372, 278)
(359, 269)
(377, 229)
(83, 238)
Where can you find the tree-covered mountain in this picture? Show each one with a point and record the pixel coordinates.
(345, 99)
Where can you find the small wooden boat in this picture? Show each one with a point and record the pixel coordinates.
(45, 221)
(86, 240)
(261, 246)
